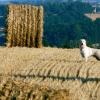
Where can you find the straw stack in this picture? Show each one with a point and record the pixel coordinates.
(25, 26)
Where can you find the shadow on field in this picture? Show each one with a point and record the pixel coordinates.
(60, 78)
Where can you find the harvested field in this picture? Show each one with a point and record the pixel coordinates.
(18, 90)
(58, 69)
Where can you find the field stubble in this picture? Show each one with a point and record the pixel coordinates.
(52, 67)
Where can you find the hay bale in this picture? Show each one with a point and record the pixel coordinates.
(29, 25)
(39, 28)
(18, 26)
(10, 25)
(34, 25)
(25, 26)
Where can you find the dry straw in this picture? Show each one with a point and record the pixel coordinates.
(40, 27)
(25, 26)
